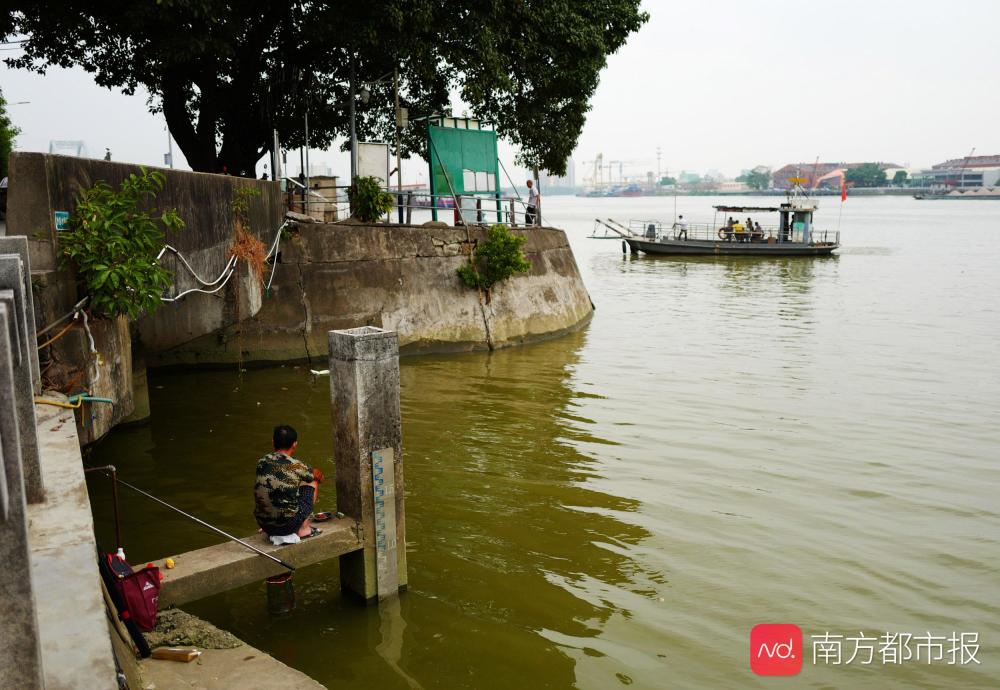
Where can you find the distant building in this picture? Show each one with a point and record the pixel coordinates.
(817, 174)
(73, 147)
(732, 186)
(963, 173)
(567, 181)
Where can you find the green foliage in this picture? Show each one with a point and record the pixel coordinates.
(758, 178)
(495, 260)
(368, 200)
(866, 175)
(666, 180)
(241, 203)
(225, 73)
(899, 179)
(8, 133)
(112, 244)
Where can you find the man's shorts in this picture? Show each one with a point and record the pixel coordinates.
(307, 496)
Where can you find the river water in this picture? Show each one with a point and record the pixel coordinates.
(729, 442)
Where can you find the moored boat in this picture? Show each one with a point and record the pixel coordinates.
(793, 235)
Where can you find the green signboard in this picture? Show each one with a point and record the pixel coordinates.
(463, 160)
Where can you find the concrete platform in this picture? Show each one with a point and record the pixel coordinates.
(226, 662)
(222, 567)
(72, 624)
(245, 668)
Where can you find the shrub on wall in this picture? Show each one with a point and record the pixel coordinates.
(495, 260)
(112, 244)
(368, 200)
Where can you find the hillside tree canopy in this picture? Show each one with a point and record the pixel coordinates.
(224, 74)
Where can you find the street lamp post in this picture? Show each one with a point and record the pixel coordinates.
(354, 137)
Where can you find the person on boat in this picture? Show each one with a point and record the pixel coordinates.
(726, 232)
(286, 488)
(758, 232)
(682, 228)
(739, 231)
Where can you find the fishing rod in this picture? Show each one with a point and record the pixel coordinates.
(201, 522)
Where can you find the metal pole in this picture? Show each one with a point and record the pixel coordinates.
(276, 155)
(114, 499)
(354, 138)
(305, 193)
(399, 157)
(203, 523)
(170, 149)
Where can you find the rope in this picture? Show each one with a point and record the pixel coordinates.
(191, 270)
(227, 272)
(76, 308)
(206, 292)
(56, 336)
(57, 403)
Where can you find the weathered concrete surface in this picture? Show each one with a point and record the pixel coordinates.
(244, 667)
(225, 566)
(42, 184)
(12, 293)
(108, 374)
(73, 625)
(19, 246)
(140, 388)
(19, 629)
(364, 403)
(400, 278)
(226, 662)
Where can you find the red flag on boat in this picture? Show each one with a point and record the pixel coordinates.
(843, 189)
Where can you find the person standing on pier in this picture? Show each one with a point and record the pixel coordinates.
(285, 490)
(531, 212)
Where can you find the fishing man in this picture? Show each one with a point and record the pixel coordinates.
(285, 490)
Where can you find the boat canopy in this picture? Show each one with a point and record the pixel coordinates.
(751, 209)
(792, 207)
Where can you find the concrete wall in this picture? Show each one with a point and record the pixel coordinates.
(399, 278)
(42, 184)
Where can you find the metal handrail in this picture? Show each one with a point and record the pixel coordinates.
(472, 209)
(655, 229)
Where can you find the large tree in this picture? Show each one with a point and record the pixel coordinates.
(759, 178)
(866, 175)
(225, 74)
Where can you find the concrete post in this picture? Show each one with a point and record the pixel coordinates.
(19, 640)
(364, 392)
(12, 293)
(19, 245)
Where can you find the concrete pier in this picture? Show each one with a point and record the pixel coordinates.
(219, 568)
(364, 392)
(18, 245)
(72, 621)
(14, 294)
(19, 643)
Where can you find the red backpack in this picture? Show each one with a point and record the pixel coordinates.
(140, 590)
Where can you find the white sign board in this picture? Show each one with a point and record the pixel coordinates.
(373, 161)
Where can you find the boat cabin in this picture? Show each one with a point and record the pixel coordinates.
(795, 221)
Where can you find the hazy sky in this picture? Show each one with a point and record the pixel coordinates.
(723, 84)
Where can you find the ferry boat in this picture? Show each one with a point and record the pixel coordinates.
(739, 232)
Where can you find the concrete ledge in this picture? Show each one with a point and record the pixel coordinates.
(243, 667)
(72, 622)
(222, 567)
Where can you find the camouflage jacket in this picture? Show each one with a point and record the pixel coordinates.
(276, 492)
